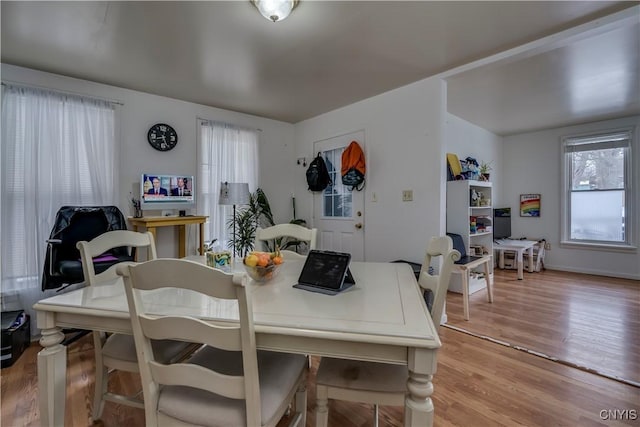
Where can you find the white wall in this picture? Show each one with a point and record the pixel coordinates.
(404, 134)
(468, 140)
(532, 164)
(141, 110)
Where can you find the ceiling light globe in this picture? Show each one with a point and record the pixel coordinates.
(275, 10)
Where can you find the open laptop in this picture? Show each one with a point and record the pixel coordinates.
(458, 245)
(326, 272)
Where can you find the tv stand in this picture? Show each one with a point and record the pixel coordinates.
(153, 222)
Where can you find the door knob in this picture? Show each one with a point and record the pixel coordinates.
(359, 225)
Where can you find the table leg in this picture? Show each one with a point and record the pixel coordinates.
(322, 410)
(520, 263)
(488, 280)
(152, 230)
(201, 238)
(136, 257)
(530, 253)
(418, 406)
(182, 241)
(52, 376)
(501, 259)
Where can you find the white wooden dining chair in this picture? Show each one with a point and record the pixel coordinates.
(294, 231)
(118, 352)
(226, 383)
(381, 383)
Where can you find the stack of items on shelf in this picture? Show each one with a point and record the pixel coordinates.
(484, 224)
(480, 224)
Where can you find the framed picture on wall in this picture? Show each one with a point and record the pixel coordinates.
(530, 205)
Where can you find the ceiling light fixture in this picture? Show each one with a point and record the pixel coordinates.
(275, 10)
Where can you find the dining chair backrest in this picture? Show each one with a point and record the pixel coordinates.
(294, 231)
(102, 244)
(438, 284)
(115, 352)
(189, 275)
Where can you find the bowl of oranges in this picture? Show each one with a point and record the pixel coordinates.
(262, 266)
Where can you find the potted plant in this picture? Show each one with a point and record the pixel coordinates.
(256, 214)
(484, 170)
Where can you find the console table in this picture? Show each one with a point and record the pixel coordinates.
(153, 222)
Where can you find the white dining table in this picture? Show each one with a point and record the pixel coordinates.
(382, 318)
(517, 246)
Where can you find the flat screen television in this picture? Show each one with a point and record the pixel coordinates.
(501, 223)
(164, 191)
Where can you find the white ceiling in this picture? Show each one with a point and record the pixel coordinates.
(590, 79)
(328, 54)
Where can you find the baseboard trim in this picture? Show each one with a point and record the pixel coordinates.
(593, 272)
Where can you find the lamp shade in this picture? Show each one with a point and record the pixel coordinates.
(234, 193)
(275, 10)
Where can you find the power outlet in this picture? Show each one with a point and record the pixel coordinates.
(547, 246)
(407, 195)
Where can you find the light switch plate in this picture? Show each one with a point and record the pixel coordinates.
(407, 195)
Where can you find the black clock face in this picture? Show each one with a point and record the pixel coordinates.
(162, 137)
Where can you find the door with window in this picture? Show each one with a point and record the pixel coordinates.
(338, 211)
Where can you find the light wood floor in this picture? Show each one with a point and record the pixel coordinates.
(588, 321)
(478, 383)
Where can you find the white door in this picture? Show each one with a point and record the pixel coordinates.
(338, 211)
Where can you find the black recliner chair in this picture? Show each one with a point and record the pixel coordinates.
(62, 264)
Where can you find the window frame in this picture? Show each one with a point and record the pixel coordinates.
(629, 243)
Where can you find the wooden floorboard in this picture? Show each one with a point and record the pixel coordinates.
(478, 383)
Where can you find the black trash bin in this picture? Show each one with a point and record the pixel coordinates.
(16, 335)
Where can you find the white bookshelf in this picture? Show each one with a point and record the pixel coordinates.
(460, 210)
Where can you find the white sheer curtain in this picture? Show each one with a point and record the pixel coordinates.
(57, 150)
(225, 153)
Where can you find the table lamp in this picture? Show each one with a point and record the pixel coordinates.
(234, 193)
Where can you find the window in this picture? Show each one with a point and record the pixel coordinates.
(57, 150)
(337, 200)
(225, 153)
(597, 187)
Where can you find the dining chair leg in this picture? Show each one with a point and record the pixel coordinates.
(375, 415)
(488, 280)
(465, 293)
(301, 403)
(322, 410)
(101, 378)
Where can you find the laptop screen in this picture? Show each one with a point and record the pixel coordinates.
(325, 269)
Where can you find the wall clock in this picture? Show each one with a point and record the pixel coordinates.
(162, 137)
